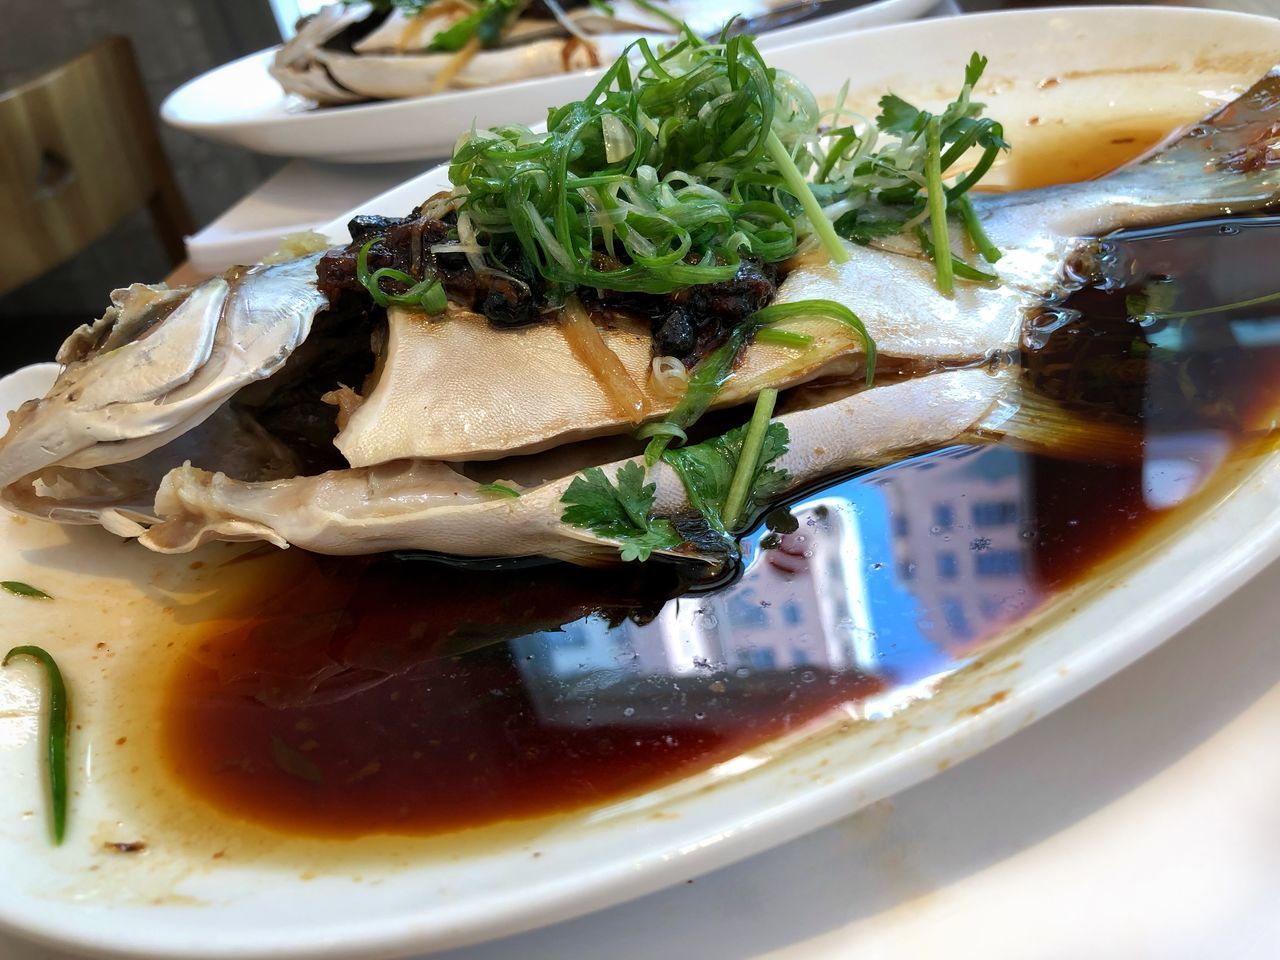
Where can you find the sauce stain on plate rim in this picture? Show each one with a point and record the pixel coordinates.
(586, 863)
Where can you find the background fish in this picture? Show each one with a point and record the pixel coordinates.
(162, 362)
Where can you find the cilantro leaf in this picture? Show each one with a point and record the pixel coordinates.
(973, 72)
(706, 469)
(896, 115)
(619, 512)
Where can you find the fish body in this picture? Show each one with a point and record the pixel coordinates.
(425, 505)
(452, 398)
(427, 403)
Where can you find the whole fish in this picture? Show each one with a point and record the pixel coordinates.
(107, 443)
(428, 403)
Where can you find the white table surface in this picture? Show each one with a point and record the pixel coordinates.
(1141, 820)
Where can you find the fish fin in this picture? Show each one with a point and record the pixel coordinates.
(1034, 423)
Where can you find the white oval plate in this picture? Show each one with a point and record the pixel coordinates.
(240, 103)
(233, 891)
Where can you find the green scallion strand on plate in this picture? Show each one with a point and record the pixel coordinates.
(56, 733)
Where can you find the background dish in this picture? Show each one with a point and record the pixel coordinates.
(240, 103)
(254, 908)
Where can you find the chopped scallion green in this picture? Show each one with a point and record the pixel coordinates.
(749, 459)
(500, 489)
(20, 589)
(427, 294)
(784, 338)
(938, 207)
(55, 734)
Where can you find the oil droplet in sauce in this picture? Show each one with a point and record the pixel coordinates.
(375, 696)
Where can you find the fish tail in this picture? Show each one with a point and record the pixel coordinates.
(1241, 137)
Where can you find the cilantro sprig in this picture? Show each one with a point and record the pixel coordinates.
(883, 189)
(729, 477)
(619, 511)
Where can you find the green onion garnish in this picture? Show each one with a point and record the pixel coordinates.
(704, 385)
(717, 366)
(969, 218)
(938, 207)
(662, 428)
(784, 338)
(962, 270)
(56, 733)
(20, 589)
(745, 472)
(674, 169)
(801, 191)
(500, 490)
(821, 308)
(427, 294)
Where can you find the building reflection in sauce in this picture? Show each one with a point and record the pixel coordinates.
(897, 575)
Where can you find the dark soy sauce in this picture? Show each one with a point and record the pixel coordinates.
(365, 696)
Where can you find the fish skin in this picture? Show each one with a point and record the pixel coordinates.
(418, 505)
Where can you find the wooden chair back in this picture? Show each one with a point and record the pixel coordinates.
(79, 152)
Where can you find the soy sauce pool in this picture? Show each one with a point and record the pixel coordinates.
(367, 696)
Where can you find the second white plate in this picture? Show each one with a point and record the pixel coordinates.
(240, 103)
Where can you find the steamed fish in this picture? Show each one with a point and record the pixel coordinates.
(348, 52)
(281, 404)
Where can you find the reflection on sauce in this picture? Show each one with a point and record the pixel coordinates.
(403, 696)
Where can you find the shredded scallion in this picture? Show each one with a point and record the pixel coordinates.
(427, 294)
(745, 472)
